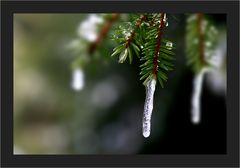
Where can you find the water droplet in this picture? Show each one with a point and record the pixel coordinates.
(78, 79)
(141, 47)
(127, 35)
(196, 96)
(164, 17)
(166, 24)
(169, 44)
(148, 107)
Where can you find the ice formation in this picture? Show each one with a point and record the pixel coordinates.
(78, 79)
(169, 45)
(196, 96)
(148, 107)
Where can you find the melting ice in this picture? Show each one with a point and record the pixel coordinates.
(196, 96)
(78, 79)
(148, 107)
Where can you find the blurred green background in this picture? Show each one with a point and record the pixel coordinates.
(106, 116)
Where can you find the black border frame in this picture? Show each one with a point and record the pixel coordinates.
(8, 8)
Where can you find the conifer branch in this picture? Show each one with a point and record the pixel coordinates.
(147, 40)
(127, 39)
(201, 39)
(137, 25)
(199, 53)
(159, 37)
(157, 52)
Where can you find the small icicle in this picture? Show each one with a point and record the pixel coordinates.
(78, 79)
(148, 107)
(196, 96)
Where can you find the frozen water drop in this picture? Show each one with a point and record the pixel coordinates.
(196, 96)
(127, 35)
(169, 45)
(148, 107)
(146, 133)
(78, 79)
(164, 17)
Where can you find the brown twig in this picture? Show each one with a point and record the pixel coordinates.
(157, 50)
(103, 33)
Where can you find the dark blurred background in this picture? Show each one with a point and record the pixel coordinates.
(106, 116)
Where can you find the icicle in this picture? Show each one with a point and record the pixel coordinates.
(78, 79)
(148, 107)
(196, 96)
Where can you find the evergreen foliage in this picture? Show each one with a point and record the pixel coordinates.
(144, 38)
(201, 39)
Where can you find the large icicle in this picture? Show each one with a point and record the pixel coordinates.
(196, 96)
(148, 107)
